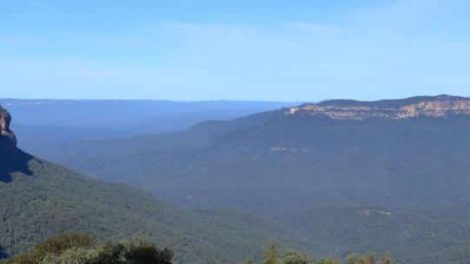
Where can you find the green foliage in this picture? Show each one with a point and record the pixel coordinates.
(81, 249)
(368, 259)
(60, 243)
(309, 171)
(54, 200)
(271, 255)
(386, 260)
(134, 253)
(358, 259)
(296, 257)
(328, 261)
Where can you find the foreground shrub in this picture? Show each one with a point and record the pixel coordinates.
(328, 261)
(272, 256)
(61, 243)
(82, 249)
(132, 253)
(368, 259)
(295, 257)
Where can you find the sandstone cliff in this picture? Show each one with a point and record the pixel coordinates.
(417, 107)
(12, 159)
(7, 137)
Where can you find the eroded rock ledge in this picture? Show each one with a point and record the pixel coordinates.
(433, 107)
(7, 137)
(12, 159)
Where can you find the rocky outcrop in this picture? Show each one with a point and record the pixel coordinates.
(7, 137)
(431, 107)
(12, 159)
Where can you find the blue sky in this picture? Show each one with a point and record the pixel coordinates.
(296, 50)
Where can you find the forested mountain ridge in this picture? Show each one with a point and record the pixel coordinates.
(418, 160)
(377, 182)
(39, 199)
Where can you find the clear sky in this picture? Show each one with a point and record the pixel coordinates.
(288, 50)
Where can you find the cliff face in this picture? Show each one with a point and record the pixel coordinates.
(432, 107)
(7, 137)
(12, 159)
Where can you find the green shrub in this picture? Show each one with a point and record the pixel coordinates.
(295, 257)
(328, 261)
(82, 249)
(271, 255)
(61, 243)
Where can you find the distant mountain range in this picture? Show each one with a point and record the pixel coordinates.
(406, 160)
(42, 123)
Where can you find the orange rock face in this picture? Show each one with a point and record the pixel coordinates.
(432, 107)
(5, 120)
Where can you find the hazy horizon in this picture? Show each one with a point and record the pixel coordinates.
(254, 101)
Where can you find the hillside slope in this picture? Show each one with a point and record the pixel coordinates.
(53, 200)
(388, 153)
(39, 199)
(318, 168)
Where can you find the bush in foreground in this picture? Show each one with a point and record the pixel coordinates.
(82, 249)
(273, 256)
